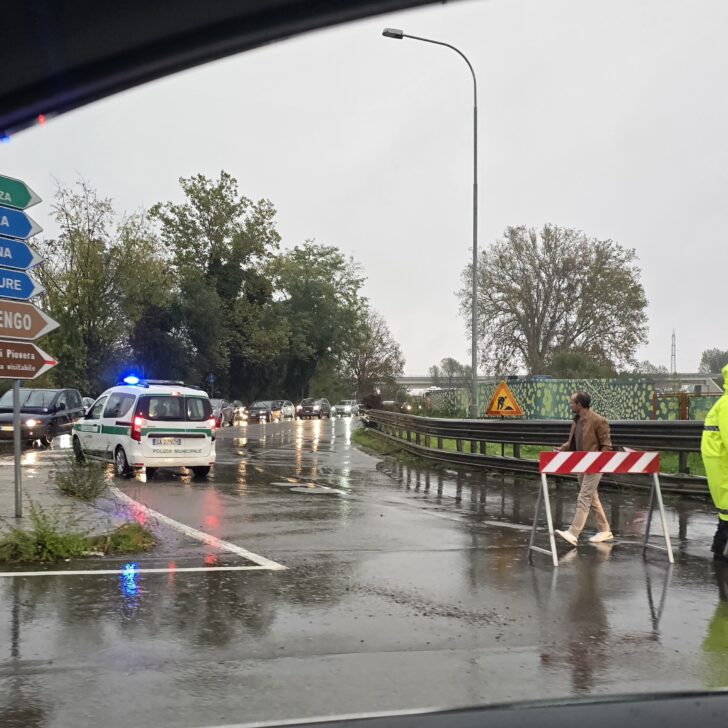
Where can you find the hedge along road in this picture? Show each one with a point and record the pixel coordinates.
(404, 588)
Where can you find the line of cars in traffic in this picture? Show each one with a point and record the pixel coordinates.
(48, 413)
(276, 410)
(146, 424)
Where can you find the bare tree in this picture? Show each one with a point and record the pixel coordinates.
(556, 290)
(373, 358)
(647, 367)
(451, 369)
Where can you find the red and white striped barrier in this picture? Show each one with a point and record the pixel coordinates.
(586, 463)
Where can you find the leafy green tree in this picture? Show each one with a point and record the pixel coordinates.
(576, 364)
(157, 341)
(200, 287)
(556, 290)
(99, 273)
(713, 360)
(319, 295)
(219, 243)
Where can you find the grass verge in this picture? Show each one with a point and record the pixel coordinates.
(128, 538)
(669, 461)
(380, 446)
(49, 538)
(55, 538)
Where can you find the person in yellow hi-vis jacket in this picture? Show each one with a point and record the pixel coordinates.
(714, 449)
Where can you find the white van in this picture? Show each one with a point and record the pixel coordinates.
(150, 424)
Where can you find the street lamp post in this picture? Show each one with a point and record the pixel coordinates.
(399, 35)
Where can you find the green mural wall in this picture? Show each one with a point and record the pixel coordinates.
(449, 403)
(701, 404)
(615, 399)
(548, 399)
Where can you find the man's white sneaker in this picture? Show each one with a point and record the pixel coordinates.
(601, 537)
(568, 536)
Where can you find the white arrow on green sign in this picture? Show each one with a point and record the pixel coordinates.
(15, 193)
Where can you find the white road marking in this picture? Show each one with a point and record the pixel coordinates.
(206, 538)
(138, 570)
(314, 488)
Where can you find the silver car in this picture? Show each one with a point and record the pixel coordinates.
(345, 408)
(286, 408)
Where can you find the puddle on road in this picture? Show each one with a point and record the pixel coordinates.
(511, 498)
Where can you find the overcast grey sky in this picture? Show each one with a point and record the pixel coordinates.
(609, 117)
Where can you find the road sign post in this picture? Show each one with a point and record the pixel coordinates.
(16, 449)
(20, 323)
(21, 360)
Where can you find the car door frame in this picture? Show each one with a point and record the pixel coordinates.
(114, 426)
(63, 421)
(60, 422)
(76, 412)
(89, 429)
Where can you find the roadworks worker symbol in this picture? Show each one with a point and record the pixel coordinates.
(504, 404)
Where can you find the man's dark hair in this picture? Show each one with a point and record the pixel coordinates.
(583, 399)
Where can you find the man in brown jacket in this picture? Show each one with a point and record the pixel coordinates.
(589, 432)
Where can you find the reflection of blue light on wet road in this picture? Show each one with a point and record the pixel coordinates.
(129, 585)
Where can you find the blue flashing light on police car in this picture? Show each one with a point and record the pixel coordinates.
(131, 379)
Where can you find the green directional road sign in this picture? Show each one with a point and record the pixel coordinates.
(14, 193)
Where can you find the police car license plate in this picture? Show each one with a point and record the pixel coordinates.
(7, 428)
(166, 441)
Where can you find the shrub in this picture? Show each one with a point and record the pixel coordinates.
(86, 481)
(50, 538)
(127, 539)
(55, 538)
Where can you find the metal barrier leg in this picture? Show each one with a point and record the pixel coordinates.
(544, 490)
(656, 494)
(663, 518)
(552, 540)
(535, 522)
(648, 524)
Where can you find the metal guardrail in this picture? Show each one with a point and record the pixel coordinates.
(672, 436)
(424, 436)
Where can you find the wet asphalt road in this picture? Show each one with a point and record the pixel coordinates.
(403, 589)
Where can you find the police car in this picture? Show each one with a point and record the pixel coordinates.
(148, 424)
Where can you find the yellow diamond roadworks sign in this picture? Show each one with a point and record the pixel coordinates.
(504, 404)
